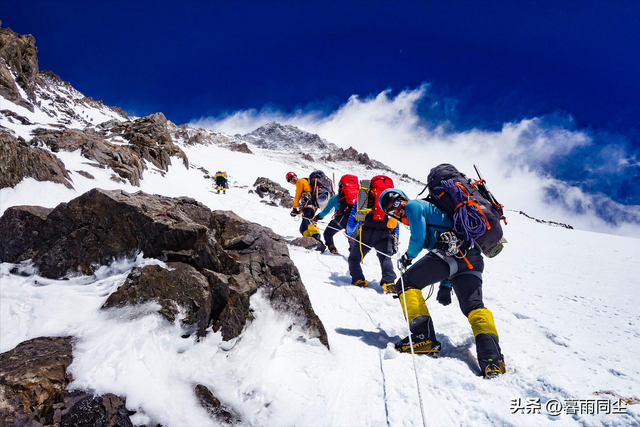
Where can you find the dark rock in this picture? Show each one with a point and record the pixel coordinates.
(213, 406)
(33, 377)
(236, 257)
(150, 138)
(19, 53)
(544, 221)
(180, 286)
(33, 380)
(19, 231)
(83, 409)
(121, 159)
(85, 174)
(274, 191)
(309, 243)
(240, 148)
(19, 160)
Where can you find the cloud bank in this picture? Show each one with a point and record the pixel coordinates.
(543, 166)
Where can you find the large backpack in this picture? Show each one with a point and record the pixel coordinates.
(368, 197)
(348, 192)
(475, 212)
(321, 188)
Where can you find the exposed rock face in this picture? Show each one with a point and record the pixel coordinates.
(83, 409)
(149, 137)
(33, 380)
(19, 160)
(230, 257)
(265, 188)
(180, 286)
(124, 161)
(544, 221)
(352, 155)
(20, 227)
(213, 406)
(240, 148)
(19, 53)
(33, 377)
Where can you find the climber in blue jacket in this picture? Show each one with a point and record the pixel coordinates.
(431, 229)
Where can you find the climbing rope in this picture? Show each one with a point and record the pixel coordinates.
(468, 219)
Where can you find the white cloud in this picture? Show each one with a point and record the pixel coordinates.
(517, 161)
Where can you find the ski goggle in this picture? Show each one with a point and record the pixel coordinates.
(397, 208)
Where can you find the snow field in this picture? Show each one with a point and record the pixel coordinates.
(564, 302)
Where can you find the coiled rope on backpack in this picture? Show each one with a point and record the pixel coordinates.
(468, 219)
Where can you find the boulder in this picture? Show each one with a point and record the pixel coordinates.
(82, 409)
(33, 381)
(265, 188)
(19, 160)
(150, 139)
(180, 285)
(33, 378)
(230, 257)
(309, 243)
(20, 231)
(217, 410)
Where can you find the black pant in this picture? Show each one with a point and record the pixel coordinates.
(382, 241)
(432, 269)
(339, 222)
(307, 215)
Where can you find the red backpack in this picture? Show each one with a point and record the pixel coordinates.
(378, 184)
(368, 202)
(348, 191)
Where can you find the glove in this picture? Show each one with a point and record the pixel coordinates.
(315, 218)
(403, 263)
(294, 212)
(444, 295)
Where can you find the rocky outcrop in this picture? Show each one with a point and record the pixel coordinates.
(33, 381)
(19, 160)
(150, 139)
(221, 259)
(18, 57)
(274, 192)
(217, 410)
(92, 145)
(181, 285)
(544, 221)
(352, 155)
(20, 225)
(240, 148)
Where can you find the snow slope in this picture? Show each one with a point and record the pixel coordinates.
(565, 305)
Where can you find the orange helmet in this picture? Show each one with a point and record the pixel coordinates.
(290, 176)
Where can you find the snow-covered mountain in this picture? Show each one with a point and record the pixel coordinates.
(562, 299)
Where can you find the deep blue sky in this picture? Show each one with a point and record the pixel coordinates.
(500, 60)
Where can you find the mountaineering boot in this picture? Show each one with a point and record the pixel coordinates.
(490, 356)
(218, 192)
(389, 288)
(333, 249)
(492, 368)
(423, 339)
(361, 283)
(224, 191)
